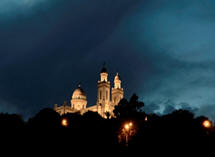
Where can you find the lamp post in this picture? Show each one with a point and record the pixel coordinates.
(128, 130)
(64, 122)
(208, 126)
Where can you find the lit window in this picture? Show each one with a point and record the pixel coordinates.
(114, 99)
(100, 94)
(106, 95)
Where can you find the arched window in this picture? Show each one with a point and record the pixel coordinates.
(106, 95)
(115, 99)
(100, 94)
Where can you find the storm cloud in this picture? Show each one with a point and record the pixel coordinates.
(48, 47)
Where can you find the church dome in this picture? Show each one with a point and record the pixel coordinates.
(79, 93)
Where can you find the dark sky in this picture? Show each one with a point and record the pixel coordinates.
(164, 51)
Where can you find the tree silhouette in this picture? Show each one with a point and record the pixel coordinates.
(45, 119)
(11, 121)
(91, 131)
(128, 108)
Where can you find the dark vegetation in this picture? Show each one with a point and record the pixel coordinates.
(177, 131)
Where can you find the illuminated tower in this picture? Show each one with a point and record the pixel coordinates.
(117, 91)
(103, 96)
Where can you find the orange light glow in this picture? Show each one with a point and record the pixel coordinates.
(146, 118)
(130, 124)
(64, 122)
(127, 127)
(207, 124)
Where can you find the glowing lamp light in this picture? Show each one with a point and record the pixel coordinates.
(130, 124)
(64, 122)
(127, 127)
(146, 119)
(207, 124)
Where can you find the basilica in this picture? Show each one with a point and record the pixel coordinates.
(107, 97)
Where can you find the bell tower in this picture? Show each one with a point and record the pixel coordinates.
(117, 90)
(103, 95)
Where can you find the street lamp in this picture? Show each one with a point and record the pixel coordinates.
(207, 124)
(146, 118)
(128, 128)
(130, 124)
(64, 122)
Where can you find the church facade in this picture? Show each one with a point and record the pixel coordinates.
(107, 97)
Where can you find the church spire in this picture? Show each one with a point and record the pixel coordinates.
(117, 81)
(117, 91)
(104, 69)
(79, 85)
(104, 74)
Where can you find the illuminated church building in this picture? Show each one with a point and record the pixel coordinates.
(104, 103)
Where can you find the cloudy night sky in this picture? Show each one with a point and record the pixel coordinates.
(164, 51)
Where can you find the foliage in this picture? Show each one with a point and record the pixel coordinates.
(91, 131)
(128, 108)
